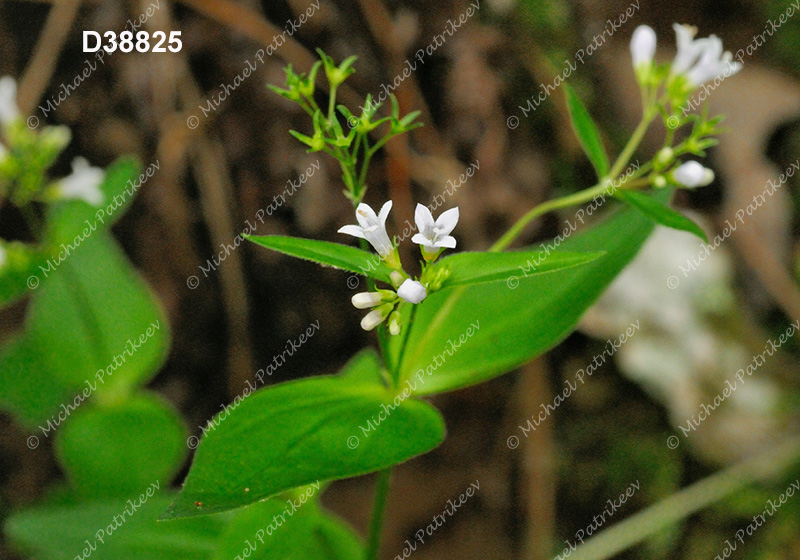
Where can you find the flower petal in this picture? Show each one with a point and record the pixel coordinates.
(423, 218)
(355, 231)
(366, 215)
(384, 213)
(447, 221)
(420, 239)
(447, 241)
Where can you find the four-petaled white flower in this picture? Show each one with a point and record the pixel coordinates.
(692, 174)
(372, 227)
(8, 100)
(435, 235)
(412, 291)
(643, 47)
(83, 183)
(701, 60)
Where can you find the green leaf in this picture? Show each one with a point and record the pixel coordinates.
(92, 324)
(303, 432)
(276, 529)
(465, 336)
(476, 268)
(586, 131)
(660, 213)
(21, 263)
(61, 533)
(115, 450)
(327, 254)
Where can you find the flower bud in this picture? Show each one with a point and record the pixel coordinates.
(412, 291)
(643, 48)
(366, 300)
(692, 174)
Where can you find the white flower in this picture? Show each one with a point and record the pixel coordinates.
(700, 60)
(643, 46)
(366, 300)
(432, 235)
(8, 100)
(412, 291)
(692, 174)
(83, 183)
(372, 227)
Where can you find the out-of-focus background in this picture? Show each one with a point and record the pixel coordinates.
(224, 153)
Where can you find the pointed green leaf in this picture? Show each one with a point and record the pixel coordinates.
(327, 254)
(660, 213)
(586, 131)
(476, 268)
(472, 333)
(302, 432)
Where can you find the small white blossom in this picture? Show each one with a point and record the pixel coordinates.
(700, 60)
(435, 235)
(412, 291)
(643, 46)
(372, 227)
(692, 174)
(83, 183)
(8, 100)
(366, 300)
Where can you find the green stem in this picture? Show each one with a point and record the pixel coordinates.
(587, 194)
(544, 208)
(378, 511)
(331, 105)
(770, 463)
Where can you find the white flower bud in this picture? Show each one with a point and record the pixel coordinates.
(366, 300)
(692, 174)
(376, 317)
(643, 46)
(412, 291)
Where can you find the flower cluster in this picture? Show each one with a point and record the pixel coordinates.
(25, 157)
(352, 148)
(696, 62)
(433, 237)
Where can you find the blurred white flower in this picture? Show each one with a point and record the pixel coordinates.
(692, 174)
(412, 291)
(372, 227)
(8, 100)
(643, 48)
(83, 183)
(700, 60)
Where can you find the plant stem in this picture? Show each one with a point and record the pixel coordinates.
(378, 511)
(536, 211)
(584, 195)
(768, 464)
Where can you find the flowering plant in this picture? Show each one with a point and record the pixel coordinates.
(464, 317)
